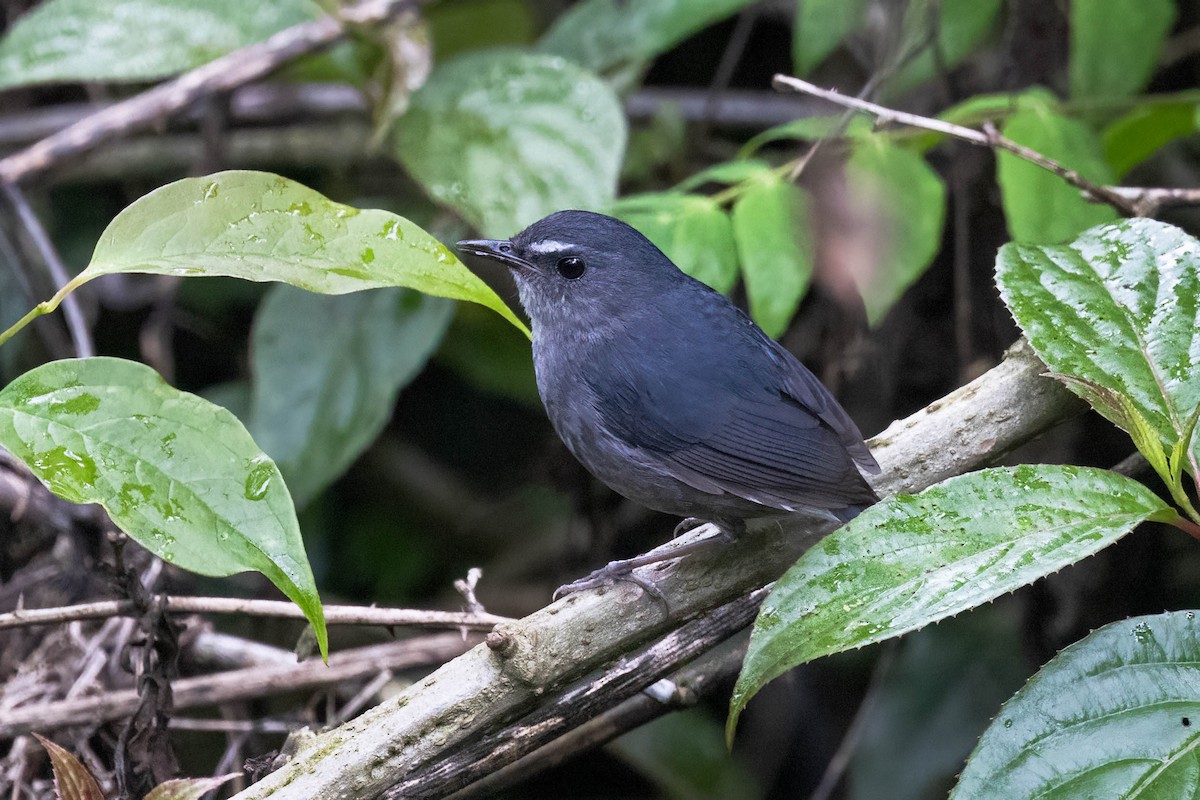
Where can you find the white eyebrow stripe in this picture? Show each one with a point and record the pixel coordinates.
(548, 246)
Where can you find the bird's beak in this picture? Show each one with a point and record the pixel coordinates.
(497, 250)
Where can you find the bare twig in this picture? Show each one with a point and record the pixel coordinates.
(985, 138)
(1149, 200)
(81, 337)
(334, 615)
(221, 75)
(258, 681)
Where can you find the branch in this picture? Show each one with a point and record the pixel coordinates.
(681, 689)
(257, 681)
(528, 660)
(579, 702)
(334, 615)
(986, 138)
(221, 75)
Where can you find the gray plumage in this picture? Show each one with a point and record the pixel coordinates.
(665, 390)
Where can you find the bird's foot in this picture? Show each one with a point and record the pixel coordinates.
(612, 572)
(687, 525)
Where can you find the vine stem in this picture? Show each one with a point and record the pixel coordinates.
(1187, 526)
(46, 306)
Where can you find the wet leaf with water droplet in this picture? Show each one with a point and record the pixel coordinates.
(1115, 715)
(507, 137)
(1119, 308)
(135, 40)
(262, 227)
(327, 371)
(912, 560)
(212, 502)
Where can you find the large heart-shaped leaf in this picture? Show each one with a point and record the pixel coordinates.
(507, 137)
(327, 370)
(136, 40)
(178, 474)
(603, 34)
(1119, 308)
(914, 559)
(1116, 715)
(261, 227)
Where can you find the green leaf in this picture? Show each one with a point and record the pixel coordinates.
(1147, 128)
(961, 27)
(1118, 307)
(819, 27)
(931, 702)
(1115, 45)
(1115, 715)
(1041, 207)
(466, 25)
(693, 231)
(605, 34)
(914, 559)
(327, 370)
(809, 129)
(772, 228)
(507, 137)
(178, 474)
(903, 201)
(727, 172)
(135, 40)
(261, 227)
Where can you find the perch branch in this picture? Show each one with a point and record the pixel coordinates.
(334, 615)
(530, 659)
(580, 702)
(985, 138)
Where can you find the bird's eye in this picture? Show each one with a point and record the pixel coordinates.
(571, 267)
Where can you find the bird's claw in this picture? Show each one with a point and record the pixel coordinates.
(607, 576)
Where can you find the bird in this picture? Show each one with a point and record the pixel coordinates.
(668, 392)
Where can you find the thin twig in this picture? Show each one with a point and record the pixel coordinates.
(258, 681)
(220, 75)
(81, 338)
(987, 138)
(334, 615)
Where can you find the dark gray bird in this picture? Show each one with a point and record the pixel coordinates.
(669, 393)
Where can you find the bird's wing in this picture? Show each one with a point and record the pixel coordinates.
(726, 418)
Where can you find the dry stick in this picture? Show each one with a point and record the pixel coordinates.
(334, 615)
(989, 138)
(221, 75)
(81, 337)
(484, 689)
(258, 681)
(579, 702)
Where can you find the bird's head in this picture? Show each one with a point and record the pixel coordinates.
(578, 268)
